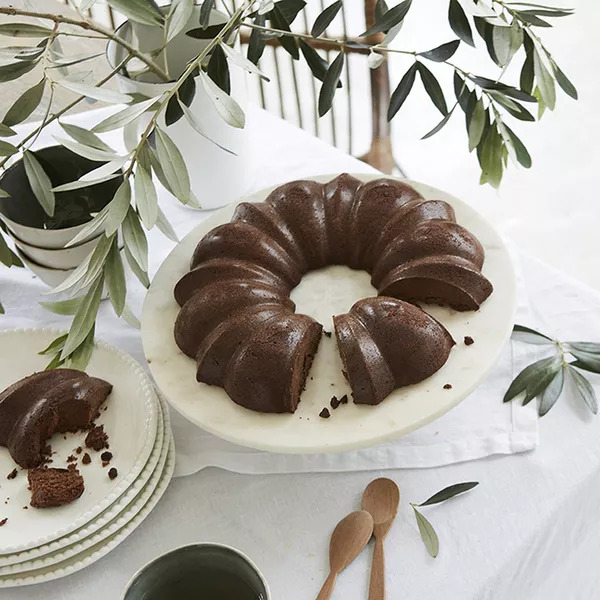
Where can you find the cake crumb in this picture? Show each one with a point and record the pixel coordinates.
(12, 474)
(325, 414)
(105, 463)
(344, 399)
(327, 333)
(71, 459)
(448, 386)
(334, 402)
(96, 439)
(469, 340)
(25, 507)
(3, 521)
(78, 450)
(106, 456)
(112, 473)
(87, 459)
(72, 467)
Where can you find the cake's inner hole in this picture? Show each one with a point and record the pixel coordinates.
(331, 291)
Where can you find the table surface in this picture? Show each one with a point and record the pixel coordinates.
(512, 537)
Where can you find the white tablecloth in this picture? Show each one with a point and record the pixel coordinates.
(529, 531)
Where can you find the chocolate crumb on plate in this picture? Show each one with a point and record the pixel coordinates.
(12, 474)
(97, 438)
(71, 459)
(344, 399)
(468, 340)
(54, 487)
(3, 521)
(112, 473)
(327, 333)
(87, 459)
(106, 456)
(325, 414)
(79, 450)
(334, 402)
(448, 386)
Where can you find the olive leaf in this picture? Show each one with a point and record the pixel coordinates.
(441, 53)
(563, 81)
(402, 91)
(279, 21)
(542, 380)
(136, 269)
(460, 23)
(490, 158)
(205, 10)
(257, 41)
(394, 16)
(179, 15)
(545, 81)
(118, 208)
(184, 96)
(193, 121)
(145, 196)
(521, 153)
(241, 61)
(461, 91)
(433, 88)
(25, 104)
(591, 359)
(205, 33)
(506, 42)
(532, 19)
(226, 106)
(476, 124)
(24, 30)
(584, 389)
(87, 151)
(7, 149)
(490, 84)
(527, 72)
(290, 9)
(90, 228)
(7, 256)
(15, 70)
(63, 307)
(84, 318)
(591, 347)
(520, 333)
(84, 183)
(135, 239)
(428, 534)
(116, 284)
(56, 362)
(584, 366)
(450, 492)
(316, 63)
(511, 106)
(123, 117)
(39, 181)
(140, 11)
(6, 131)
(55, 346)
(218, 69)
(330, 82)
(85, 137)
(97, 93)
(80, 357)
(130, 318)
(165, 227)
(552, 393)
(325, 18)
(173, 165)
(439, 126)
(530, 376)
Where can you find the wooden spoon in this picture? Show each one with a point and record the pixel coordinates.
(348, 539)
(381, 499)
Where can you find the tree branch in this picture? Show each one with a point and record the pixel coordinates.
(87, 25)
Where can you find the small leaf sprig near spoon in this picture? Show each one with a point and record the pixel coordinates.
(428, 534)
(545, 378)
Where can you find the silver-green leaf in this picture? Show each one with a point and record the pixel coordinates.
(97, 93)
(63, 307)
(145, 196)
(125, 116)
(428, 534)
(83, 353)
(173, 166)
(55, 346)
(135, 239)
(552, 393)
(585, 390)
(118, 208)
(450, 492)
(545, 82)
(226, 106)
(115, 280)
(85, 137)
(178, 17)
(476, 125)
(140, 11)
(25, 104)
(520, 333)
(530, 375)
(87, 151)
(40, 182)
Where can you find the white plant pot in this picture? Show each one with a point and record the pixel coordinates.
(217, 178)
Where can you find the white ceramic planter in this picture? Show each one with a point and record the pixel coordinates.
(217, 177)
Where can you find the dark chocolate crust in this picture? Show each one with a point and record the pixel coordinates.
(238, 321)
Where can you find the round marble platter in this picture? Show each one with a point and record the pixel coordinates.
(130, 419)
(321, 294)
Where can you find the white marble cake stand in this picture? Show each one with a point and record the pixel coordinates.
(322, 294)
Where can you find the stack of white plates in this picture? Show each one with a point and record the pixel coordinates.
(39, 545)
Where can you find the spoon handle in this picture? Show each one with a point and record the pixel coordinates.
(328, 586)
(377, 585)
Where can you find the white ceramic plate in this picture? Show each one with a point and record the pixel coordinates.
(96, 552)
(123, 503)
(322, 294)
(111, 527)
(130, 419)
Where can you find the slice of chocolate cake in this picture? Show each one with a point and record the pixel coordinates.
(54, 487)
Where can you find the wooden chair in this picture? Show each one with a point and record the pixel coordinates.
(360, 85)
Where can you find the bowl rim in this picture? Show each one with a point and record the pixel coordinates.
(19, 242)
(241, 554)
(29, 261)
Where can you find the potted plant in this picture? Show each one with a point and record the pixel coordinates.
(508, 32)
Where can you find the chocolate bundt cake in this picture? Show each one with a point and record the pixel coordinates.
(36, 407)
(387, 343)
(237, 319)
